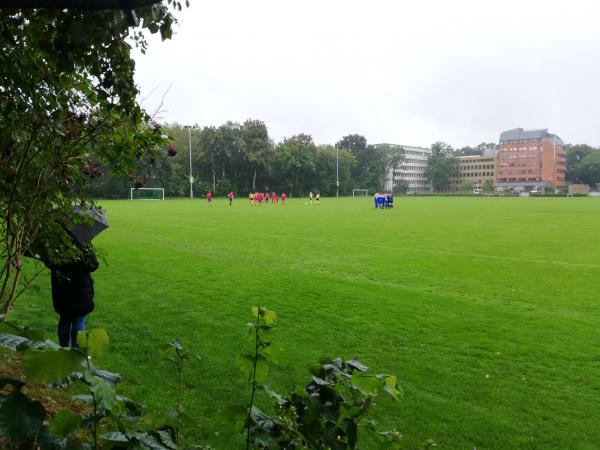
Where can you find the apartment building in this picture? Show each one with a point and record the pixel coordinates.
(411, 170)
(530, 160)
(476, 170)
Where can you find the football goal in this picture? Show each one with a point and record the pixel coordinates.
(360, 192)
(147, 194)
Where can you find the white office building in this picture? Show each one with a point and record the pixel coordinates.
(411, 170)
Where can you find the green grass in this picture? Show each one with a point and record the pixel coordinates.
(487, 309)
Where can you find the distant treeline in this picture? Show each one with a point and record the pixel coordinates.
(241, 157)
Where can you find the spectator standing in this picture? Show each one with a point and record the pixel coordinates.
(73, 294)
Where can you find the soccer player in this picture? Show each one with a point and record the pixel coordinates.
(283, 198)
(209, 197)
(230, 197)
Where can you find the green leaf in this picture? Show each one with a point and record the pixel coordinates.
(165, 438)
(93, 342)
(50, 366)
(368, 385)
(20, 417)
(357, 365)
(280, 399)
(262, 368)
(391, 386)
(11, 328)
(32, 333)
(105, 395)
(263, 313)
(115, 438)
(35, 334)
(273, 354)
(269, 316)
(64, 423)
(261, 419)
(245, 364)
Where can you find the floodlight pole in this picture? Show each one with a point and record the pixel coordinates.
(189, 127)
(337, 167)
(554, 177)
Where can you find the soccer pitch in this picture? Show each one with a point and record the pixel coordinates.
(487, 309)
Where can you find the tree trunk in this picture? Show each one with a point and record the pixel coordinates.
(214, 181)
(254, 181)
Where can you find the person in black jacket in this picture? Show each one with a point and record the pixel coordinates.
(73, 295)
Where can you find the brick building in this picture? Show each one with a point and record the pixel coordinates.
(530, 160)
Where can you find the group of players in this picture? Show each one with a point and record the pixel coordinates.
(258, 198)
(383, 200)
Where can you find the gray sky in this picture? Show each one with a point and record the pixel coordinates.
(404, 72)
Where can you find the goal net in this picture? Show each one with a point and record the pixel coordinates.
(147, 194)
(360, 192)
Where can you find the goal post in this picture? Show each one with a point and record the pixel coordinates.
(360, 192)
(147, 194)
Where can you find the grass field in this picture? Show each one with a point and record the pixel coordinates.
(487, 309)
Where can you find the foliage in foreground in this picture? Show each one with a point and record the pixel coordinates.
(327, 413)
(68, 111)
(108, 419)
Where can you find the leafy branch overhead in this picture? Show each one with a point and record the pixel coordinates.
(68, 111)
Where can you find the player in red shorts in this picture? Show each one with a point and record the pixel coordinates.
(283, 198)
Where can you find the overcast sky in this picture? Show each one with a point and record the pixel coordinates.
(403, 72)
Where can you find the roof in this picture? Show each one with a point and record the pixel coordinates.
(519, 133)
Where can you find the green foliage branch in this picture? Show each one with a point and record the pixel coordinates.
(67, 109)
(327, 413)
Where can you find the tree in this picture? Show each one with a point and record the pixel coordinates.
(442, 166)
(295, 162)
(385, 159)
(208, 150)
(356, 144)
(488, 186)
(400, 187)
(466, 186)
(67, 109)
(576, 153)
(473, 151)
(255, 146)
(325, 169)
(589, 168)
(229, 155)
